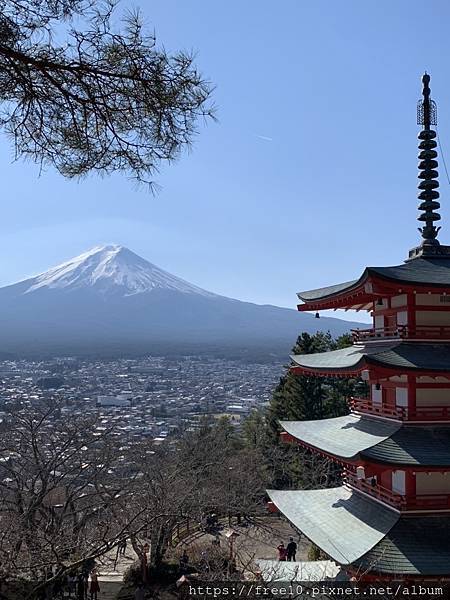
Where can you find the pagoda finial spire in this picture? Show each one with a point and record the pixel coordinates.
(428, 194)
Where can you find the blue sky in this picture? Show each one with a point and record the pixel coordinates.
(333, 85)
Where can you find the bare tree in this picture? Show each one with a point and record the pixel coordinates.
(82, 96)
(68, 495)
(63, 492)
(207, 471)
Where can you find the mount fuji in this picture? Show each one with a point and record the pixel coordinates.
(110, 301)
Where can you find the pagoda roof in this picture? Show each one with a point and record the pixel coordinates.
(427, 446)
(389, 442)
(397, 355)
(344, 524)
(414, 546)
(424, 271)
(355, 530)
(345, 359)
(344, 437)
(434, 272)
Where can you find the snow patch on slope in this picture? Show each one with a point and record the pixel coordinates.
(111, 268)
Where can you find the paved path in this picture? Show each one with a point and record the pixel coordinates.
(112, 569)
(253, 542)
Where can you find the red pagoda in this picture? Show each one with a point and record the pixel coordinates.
(390, 519)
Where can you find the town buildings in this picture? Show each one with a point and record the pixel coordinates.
(151, 397)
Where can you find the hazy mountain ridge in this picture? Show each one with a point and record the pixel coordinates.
(111, 297)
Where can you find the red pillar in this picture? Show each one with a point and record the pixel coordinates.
(410, 484)
(412, 388)
(411, 309)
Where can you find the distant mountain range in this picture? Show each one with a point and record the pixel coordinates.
(110, 301)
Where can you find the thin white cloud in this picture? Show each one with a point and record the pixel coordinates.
(265, 138)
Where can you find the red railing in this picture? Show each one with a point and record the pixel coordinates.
(419, 413)
(416, 502)
(420, 332)
(430, 332)
(360, 335)
(377, 491)
(429, 501)
(429, 413)
(365, 405)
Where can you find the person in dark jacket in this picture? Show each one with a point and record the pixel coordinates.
(291, 549)
(81, 586)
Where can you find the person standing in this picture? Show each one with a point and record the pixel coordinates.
(282, 552)
(85, 575)
(49, 586)
(72, 584)
(139, 594)
(184, 562)
(291, 549)
(81, 587)
(95, 587)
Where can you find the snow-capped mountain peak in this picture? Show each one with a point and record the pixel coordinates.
(111, 268)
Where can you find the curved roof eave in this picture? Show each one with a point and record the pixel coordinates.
(344, 437)
(414, 546)
(429, 272)
(331, 290)
(351, 358)
(397, 355)
(344, 524)
(416, 445)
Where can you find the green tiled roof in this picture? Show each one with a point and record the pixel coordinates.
(427, 446)
(345, 524)
(407, 355)
(414, 546)
(344, 436)
(424, 271)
